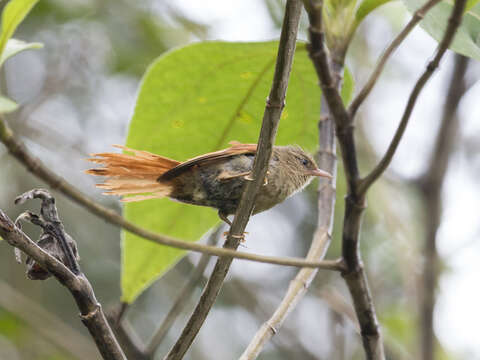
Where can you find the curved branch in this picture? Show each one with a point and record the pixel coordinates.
(453, 24)
(91, 311)
(36, 167)
(271, 118)
(372, 80)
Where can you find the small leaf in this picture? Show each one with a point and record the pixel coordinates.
(15, 46)
(467, 38)
(7, 105)
(366, 7)
(195, 100)
(13, 14)
(347, 87)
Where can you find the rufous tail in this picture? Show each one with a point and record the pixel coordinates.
(134, 174)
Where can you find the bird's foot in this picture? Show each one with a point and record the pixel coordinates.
(241, 237)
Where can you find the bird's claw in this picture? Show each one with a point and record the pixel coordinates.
(241, 237)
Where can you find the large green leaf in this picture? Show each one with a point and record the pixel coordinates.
(13, 14)
(15, 46)
(467, 39)
(194, 100)
(366, 7)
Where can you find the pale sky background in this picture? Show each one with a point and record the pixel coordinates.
(457, 313)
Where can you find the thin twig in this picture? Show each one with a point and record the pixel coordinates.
(91, 311)
(372, 80)
(271, 118)
(36, 167)
(182, 298)
(430, 185)
(453, 24)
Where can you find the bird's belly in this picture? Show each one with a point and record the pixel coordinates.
(204, 188)
(268, 196)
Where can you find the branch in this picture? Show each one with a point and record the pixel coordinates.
(330, 83)
(431, 188)
(90, 310)
(453, 24)
(182, 298)
(36, 167)
(372, 80)
(354, 275)
(271, 118)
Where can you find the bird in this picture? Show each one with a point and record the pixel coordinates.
(215, 179)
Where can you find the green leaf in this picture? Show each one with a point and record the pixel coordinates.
(13, 14)
(7, 105)
(366, 7)
(195, 100)
(347, 87)
(467, 38)
(470, 4)
(15, 46)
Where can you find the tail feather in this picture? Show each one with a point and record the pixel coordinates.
(135, 174)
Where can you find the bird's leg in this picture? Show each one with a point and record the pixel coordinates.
(224, 217)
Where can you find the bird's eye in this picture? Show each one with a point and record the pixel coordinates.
(305, 162)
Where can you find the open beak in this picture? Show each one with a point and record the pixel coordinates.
(318, 172)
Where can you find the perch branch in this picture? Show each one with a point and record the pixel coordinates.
(430, 185)
(90, 310)
(453, 24)
(271, 118)
(372, 80)
(36, 167)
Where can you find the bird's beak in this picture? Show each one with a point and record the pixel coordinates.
(318, 172)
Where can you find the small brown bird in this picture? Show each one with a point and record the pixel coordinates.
(215, 179)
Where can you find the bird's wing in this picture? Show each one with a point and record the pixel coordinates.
(236, 149)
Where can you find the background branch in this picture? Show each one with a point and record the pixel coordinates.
(430, 185)
(271, 118)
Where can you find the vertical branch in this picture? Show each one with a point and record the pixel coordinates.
(430, 185)
(355, 203)
(271, 118)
